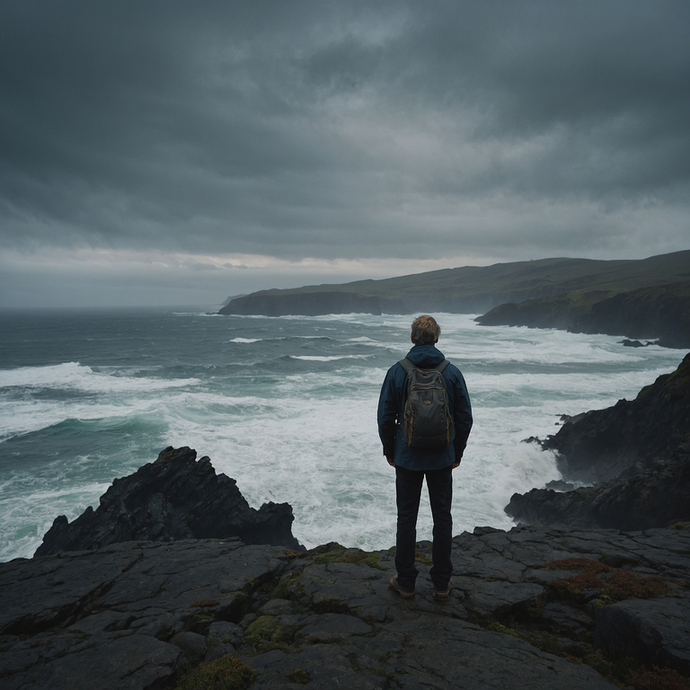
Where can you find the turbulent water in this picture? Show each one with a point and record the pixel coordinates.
(286, 406)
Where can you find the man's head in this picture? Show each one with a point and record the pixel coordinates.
(425, 330)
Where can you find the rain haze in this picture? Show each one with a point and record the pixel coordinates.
(160, 153)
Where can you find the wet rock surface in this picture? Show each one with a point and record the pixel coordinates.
(142, 614)
(657, 497)
(637, 451)
(629, 437)
(175, 497)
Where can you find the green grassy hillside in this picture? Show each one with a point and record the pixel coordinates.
(475, 289)
(656, 312)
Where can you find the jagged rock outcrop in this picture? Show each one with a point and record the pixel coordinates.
(638, 451)
(526, 608)
(632, 436)
(173, 498)
(658, 497)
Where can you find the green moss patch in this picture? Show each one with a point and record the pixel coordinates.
(206, 603)
(300, 676)
(422, 557)
(226, 673)
(610, 668)
(582, 564)
(266, 633)
(329, 605)
(336, 553)
(284, 587)
(497, 627)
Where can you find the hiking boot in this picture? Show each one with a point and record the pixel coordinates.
(443, 595)
(395, 586)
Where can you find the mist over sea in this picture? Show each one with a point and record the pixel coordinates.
(286, 406)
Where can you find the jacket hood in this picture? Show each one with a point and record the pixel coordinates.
(425, 356)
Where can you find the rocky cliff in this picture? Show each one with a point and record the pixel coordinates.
(175, 497)
(659, 312)
(657, 497)
(535, 607)
(632, 436)
(638, 455)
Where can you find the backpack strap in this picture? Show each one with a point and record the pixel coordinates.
(406, 364)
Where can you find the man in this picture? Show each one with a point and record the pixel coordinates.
(413, 464)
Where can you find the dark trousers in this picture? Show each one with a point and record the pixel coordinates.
(408, 491)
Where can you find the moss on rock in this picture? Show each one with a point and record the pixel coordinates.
(226, 673)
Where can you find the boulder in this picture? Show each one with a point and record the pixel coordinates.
(655, 631)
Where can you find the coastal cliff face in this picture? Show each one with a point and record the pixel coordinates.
(638, 451)
(659, 312)
(173, 498)
(658, 497)
(632, 436)
(648, 298)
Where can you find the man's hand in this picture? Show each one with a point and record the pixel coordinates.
(457, 461)
(391, 462)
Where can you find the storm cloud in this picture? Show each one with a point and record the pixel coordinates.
(385, 135)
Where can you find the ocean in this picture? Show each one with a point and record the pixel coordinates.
(286, 406)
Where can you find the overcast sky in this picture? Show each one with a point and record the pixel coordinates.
(169, 152)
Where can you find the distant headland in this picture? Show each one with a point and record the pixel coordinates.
(645, 298)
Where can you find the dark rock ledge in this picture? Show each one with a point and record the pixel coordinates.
(141, 614)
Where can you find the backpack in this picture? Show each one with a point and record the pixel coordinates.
(427, 419)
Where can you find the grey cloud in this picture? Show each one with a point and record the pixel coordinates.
(289, 128)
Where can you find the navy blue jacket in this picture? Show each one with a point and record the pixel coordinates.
(392, 404)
